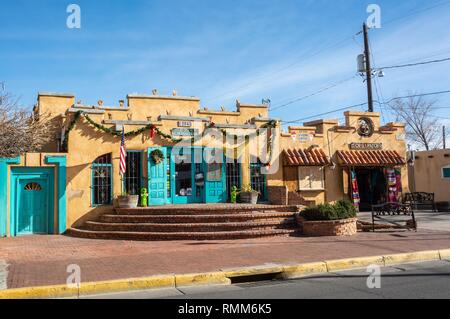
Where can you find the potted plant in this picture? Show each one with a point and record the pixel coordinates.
(128, 201)
(248, 195)
(337, 219)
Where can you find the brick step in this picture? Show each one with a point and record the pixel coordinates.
(217, 218)
(197, 227)
(222, 210)
(152, 236)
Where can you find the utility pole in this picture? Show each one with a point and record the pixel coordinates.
(444, 137)
(368, 67)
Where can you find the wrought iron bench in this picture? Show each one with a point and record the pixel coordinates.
(384, 211)
(419, 200)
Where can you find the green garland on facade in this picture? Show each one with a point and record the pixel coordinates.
(269, 125)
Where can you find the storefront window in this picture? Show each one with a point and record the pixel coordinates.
(214, 172)
(311, 178)
(183, 176)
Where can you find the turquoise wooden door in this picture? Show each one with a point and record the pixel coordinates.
(32, 207)
(157, 178)
(215, 179)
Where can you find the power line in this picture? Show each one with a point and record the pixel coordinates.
(414, 12)
(365, 103)
(312, 94)
(326, 113)
(414, 64)
(335, 45)
(416, 95)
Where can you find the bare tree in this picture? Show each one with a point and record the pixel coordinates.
(423, 129)
(20, 130)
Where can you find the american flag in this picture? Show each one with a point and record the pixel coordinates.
(123, 155)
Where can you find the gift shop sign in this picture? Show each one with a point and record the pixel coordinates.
(366, 146)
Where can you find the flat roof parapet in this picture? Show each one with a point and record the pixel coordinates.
(55, 94)
(160, 97)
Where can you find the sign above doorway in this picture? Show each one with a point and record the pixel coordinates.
(184, 124)
(366, 146)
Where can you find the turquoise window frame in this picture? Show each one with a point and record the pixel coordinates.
(93, 166)
(446, 172)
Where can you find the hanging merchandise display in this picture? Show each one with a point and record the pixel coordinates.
(398, 175)
(392, 185)
(355, 189)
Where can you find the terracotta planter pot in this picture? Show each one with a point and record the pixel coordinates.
(345, 227)
(249, 198)
(130, 201)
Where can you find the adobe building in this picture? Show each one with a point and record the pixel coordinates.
(429, 172)
(182, 153)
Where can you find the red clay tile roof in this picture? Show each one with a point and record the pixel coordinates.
(371, 158)
(306, 157)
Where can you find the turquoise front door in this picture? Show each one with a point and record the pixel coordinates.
(215, 179)
(31, 202)
(32, 215)
(157, 177)
(185, 163)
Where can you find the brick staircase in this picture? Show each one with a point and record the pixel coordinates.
(192, 222)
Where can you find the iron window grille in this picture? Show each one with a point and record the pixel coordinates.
(133, 175)
(258, 180)
(233, 176)
(101, 172)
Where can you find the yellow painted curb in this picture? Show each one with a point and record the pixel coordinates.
(411, 257)
(352, 263)
(298, 271)
(201, 279)
(221, 277)
(90, 288)
(252, 271)
(444, 254)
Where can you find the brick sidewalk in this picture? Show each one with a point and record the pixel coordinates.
(42, 260)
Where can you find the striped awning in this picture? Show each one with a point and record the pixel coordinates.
(306, 157)
(370, 158)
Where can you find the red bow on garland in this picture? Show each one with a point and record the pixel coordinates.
(152, 132)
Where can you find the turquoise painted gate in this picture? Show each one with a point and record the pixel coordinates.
(32, 195)
(157, 178)
(32, 214)
(215, 179)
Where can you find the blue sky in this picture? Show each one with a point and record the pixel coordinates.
(222, 50)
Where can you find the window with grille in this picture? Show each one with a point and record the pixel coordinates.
(233, 176)
(133, 174)
(311, 178)
(102, 180)
(258, 180)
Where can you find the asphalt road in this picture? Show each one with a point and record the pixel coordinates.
(409, 281)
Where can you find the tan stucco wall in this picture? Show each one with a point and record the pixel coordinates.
(87, 143)
(331, 137)
(426, 174)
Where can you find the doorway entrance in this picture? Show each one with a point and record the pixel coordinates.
(372, 184)
(32, 196)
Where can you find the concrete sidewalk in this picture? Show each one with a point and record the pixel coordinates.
(43, 260)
